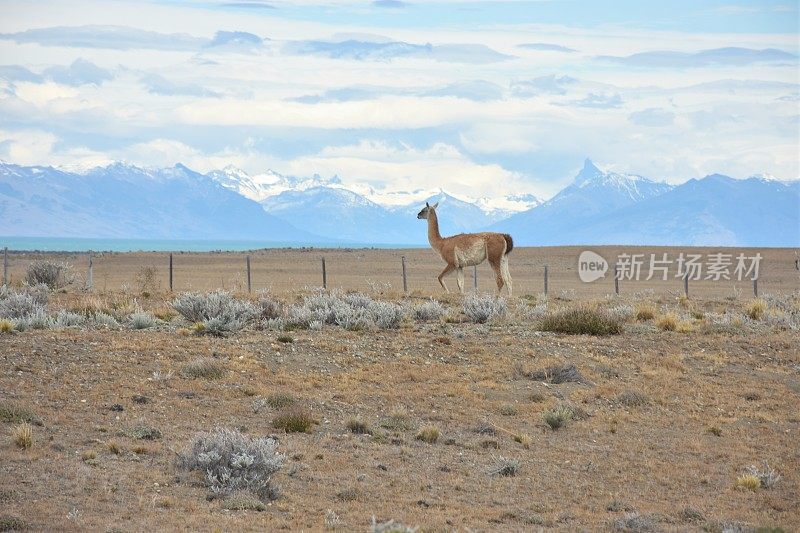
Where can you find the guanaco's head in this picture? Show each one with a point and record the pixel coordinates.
(427, 209)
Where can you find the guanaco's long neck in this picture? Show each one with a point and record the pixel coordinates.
(434, 237)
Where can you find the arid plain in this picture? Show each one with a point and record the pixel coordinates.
(439, 420)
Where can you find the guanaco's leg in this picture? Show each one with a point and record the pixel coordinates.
(498, 274)
(505, 273)
(449, 268)
(460, 279)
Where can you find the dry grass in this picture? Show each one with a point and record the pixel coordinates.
(755, 309)
(205, 368)
(582, 320)
(668, 322)
(294, 420)
(6, 326)
(23, 436)
(748, 482)
(428, 433)
(358, 426)
(645, 312)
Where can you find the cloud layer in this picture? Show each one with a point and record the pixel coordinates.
(394, 95)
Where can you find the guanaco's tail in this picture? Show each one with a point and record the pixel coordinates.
(509, 243)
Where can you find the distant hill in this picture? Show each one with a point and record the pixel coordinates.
(607, 208)
(126, 201)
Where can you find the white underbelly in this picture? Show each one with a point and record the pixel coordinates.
(472, 255)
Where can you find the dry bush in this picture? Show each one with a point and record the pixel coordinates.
(243, 500)
(23, 436)
(14, 413)
(294, 420)
(23, 303)
(143, 320)
(12, 523)
(398, 420)
(358, 426)
(558, 416)
(6, 326)
(756, 308)
(147, 279)
(481, 308)
(582, 320)
(390, 526)
(144, 432)
(767, 476)
(555, 374)
(636, 523)
(231, 462)
(430, 310)
(504, 467)
(428, 433)
(206, 368)
(219, 312)
(632, 399)
(55, 275)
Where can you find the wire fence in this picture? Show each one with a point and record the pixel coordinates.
(550, 271)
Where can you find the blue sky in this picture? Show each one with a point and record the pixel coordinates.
(479, 98)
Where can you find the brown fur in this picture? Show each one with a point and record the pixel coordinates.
(467, 249)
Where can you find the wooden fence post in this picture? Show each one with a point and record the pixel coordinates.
(405, 281)
(324, 275)
(5, 266)
(475, 277)
(616, 278)
(249, 286)
(90, 277)
(686, 283)
(170, 272)
(755, 287)
(545, 280)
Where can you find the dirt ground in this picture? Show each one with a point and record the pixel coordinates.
(708, 404)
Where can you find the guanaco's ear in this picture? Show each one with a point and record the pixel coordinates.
(436, 205)
(426, 204)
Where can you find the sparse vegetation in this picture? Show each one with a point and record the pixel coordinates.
(555, 374)
(636, 523)
(286, 339)
(205, 368)
(14, 413)
(632, 399)
(294, 420)
(558, 416)
(230, 462)
(581, 320)
(12, 523)
(391, 526)
(144, 432)
(358, 426)
(143, 320)
(428, 433)
(504, 467)
(6, 326)
(243, 500)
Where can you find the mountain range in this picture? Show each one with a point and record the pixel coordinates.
(597, 207)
